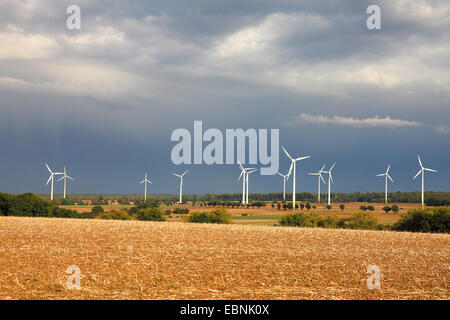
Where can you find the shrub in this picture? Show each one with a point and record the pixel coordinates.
(151, 214)
(220, 216)
(180, 211)
(97, 209)
(386, 209)
(342, 207)
(370, 208)
(363, 208)
(428, 220)
(395, 208)
(360, 220)
(115, 215)
(293, 220)
(329, 207)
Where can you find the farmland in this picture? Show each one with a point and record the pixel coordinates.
(269, 216)
(153, 260)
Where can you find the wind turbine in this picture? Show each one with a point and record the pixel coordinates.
(294, 161)
(422, 170)
(386, 176)
(319, 174)
(145, 181)
(330, 179)
(244, 180)
(285, 178)
(65, 177)
(246, 193)
(181, 183)
(51, 178)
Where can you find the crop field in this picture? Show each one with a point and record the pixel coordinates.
(164, 260)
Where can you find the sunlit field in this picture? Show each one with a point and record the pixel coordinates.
(165, 260)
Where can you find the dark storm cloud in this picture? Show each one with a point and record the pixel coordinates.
(138, 69)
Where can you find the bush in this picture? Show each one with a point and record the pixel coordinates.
(151, 214)
(363, 208)
(370, 208)
(329, 207)
(293, 220)
(395, 208)
(115, 215)
(220, 216)
(180, 211)
(386, 209)
(342, 207)
(361, 220)
(97, 209)
(429, 220)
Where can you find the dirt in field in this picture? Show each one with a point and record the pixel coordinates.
(149, 260)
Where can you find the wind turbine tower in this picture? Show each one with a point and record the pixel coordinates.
(65, 177)
(145, 181)
(294, 161)
(181, 184)
(319, 175)
(422, 171)
(386, 176)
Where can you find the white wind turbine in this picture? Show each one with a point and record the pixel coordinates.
(181, 184)
(65, 177)
(294, 161)
(330, 179)
(422, 170)
(319, 174)
(51, 178)
(145, 181)
(244, 174)
(246, 193)
(386, 176)
(285, 178)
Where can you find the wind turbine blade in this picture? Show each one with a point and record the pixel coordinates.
(252, 171)
(149, 181)
(70, 178)
(390, 178)
(176, 175)
(430, 170)
(420, 171)
(381, 175)
(61, 178)
(240, 165)
(48, 181)
(313, 174)
(302, 158)
(389, 166)
(420, 162)
(322, 168)
(287, 153)
(246, 169)
(48, 168)
(331, 177)
(290, 169)
(185, 173)
(321, 178)
(240, 176)
(280, 174)
(332, 166)
(142, 182)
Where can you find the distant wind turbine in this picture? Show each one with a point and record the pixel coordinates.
(330, 179)
(285, 178)
(51, 178)
(181, 184)
(386, 176)
(319, 175)
(294, 161)
(65, 177)
(145, 181)
(244, 175)
(422, 170)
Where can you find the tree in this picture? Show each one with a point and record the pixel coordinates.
(363, 208)
(328, 206)
(302, 205)
(370, 208)
(314, 207)
(273, 206)
(386, 209)
(308, 205)
(342, 207)
(395, 208)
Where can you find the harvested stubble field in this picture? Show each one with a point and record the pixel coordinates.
(148, 260)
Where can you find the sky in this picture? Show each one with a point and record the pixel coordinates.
(104, 100)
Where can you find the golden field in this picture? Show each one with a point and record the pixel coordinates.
(165, 260)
